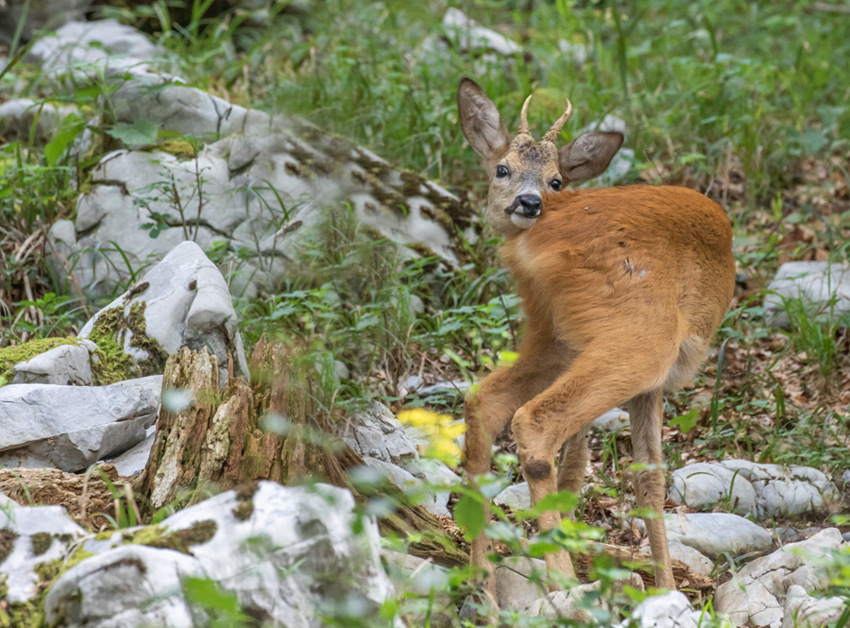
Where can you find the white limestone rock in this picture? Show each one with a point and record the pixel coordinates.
(38, 534)
(133, 461)
(65, 365)
(72, 427)
(186, 303)
(37, 15)
(756, 595)
(702, 485)
(786, 491)
(260, 192)
(422, 589)
(93, 49)
(457, 386)
(694, 560)
(580, 602)
(519, 582)
(763, 490)
(714, 533)
(668, 610)
(574, 604)
(805, 611)
(377, 433)
(414, 574)
(437, 476)
(187, 110)
(18, 116)
(577, 51)
(410, 485)
(288, 553)
(468, 35)
(816, 283)
(132, 585)
(612, 421)
(516, 497)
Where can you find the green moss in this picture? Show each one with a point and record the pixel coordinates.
(421, 249)
(243, 510)
(136, 290)
(30, 614)
(109, 331)
(145, 536)
(313, 164)
(382, 193)
(10, 356)
(49, 571)
(21, 614)
(245, 501)
(7, 543)
(179, 540)
(41, 542)
(178, 148)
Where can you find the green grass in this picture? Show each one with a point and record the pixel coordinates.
(384, 314)
(742, 100)
(703, 86)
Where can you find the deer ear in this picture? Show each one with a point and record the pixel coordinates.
(480, 121)
(588, 155)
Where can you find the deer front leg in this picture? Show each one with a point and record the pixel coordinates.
(487, 411)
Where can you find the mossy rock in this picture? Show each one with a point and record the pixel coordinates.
(110, 331)
(30, 614)
(10, 356)
(179, 148)
(178, 540)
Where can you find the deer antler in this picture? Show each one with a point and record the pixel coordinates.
(552, 134)
(523, 116)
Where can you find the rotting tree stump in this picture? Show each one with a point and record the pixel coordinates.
(217, 440)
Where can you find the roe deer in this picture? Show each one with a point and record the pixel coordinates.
(623, 289)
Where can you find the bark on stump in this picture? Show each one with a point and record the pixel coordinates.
(217, 439)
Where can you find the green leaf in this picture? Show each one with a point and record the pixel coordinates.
(469, 515)
(140, 133)
(71, 126)
(686, 422)
(205, 593)
(563, 501)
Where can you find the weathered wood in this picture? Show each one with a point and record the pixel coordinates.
(219, 441)
(175, 456)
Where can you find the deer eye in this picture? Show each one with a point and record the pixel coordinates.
(556, 184)
(502, 172)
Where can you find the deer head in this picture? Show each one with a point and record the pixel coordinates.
(521, 169)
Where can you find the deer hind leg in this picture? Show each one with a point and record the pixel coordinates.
(487, 411)
(595, 382)
(645, 415)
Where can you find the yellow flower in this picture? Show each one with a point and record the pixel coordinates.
(508, 358)
(440, 430)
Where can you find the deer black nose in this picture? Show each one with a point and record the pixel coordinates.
(530, 205)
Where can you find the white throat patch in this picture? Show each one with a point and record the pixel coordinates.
(522, 222)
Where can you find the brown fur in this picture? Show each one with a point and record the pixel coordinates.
(623, 289)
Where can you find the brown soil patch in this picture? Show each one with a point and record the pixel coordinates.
(86, 501)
